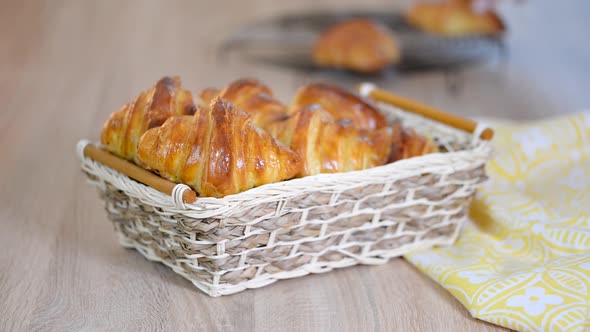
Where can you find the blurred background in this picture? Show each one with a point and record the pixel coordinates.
(101, 54)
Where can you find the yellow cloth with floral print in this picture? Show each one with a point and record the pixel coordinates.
(523, 262)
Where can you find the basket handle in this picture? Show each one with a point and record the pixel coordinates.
(370, 90)
(137, 173)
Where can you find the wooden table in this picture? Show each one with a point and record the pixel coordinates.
(65, 65)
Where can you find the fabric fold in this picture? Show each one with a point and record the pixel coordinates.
(523, 262)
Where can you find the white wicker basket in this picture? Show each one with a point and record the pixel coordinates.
(301, 226)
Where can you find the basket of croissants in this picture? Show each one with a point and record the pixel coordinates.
(234, 189)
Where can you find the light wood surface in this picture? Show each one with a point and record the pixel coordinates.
(65, 65)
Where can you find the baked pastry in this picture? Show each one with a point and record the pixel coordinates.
(251, 96)
(407, 143)
(122, 131)
(217, 152)
(327, 145)
(207, 95)
(342, 104)
(359, 45)
(454, 18)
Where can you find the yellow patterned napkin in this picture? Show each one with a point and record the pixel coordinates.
(524, 260)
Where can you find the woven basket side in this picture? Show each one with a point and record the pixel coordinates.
(253, 276)
(401, 216)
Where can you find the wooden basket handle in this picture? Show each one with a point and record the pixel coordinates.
(470, 126)
(135, 172)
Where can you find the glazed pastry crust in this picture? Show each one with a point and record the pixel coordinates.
(220, 150)
(251, 96)
(327, 145)
(359, 45)
(122, 131)
(407, 143)
(454, 18)
(341, 104)
(217, 152)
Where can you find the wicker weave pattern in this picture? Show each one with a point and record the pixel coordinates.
(301, 226)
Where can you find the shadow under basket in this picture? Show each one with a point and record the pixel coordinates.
(301, 226)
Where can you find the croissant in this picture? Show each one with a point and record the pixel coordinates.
(122, 131)
(207, 95)
(217, 152)
(407, 143)
(251, 96)
(342, 104)
(359, 45)
(454, 18)
(329, 146)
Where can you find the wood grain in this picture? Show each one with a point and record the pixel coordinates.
(66, 64)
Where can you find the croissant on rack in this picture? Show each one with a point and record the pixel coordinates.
(454, 18)
(122, 131)
(342, 104)
(359, 45)
(217, 152)
(251, 96)
(326, 145)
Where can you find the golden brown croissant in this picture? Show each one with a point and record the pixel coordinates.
(217, 152)
(454, 18)
(358, 45)
(407, 143)
(207, 95)
(329, 146)
(251, 96)
(122, 131)
(342, 104)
